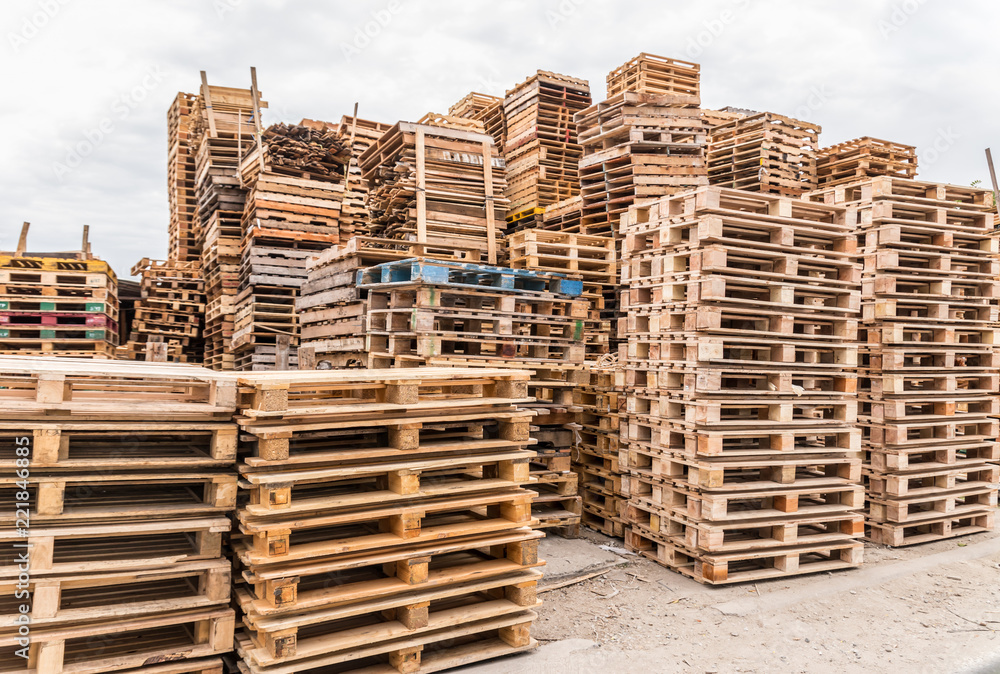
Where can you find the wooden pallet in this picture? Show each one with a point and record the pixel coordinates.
(651, 74)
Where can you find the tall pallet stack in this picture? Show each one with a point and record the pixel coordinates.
(438, 186)
(603, 479)
(292, 214)
(765, 152)
(863, 158)
(127, 470)
(541, 149)
(183, 199)
(57, 304)
(222, 125)
(431, 312)
(929, 385)
(387, 526)
(646, 141)
(357, 135)
(744, 451)
(171, 310)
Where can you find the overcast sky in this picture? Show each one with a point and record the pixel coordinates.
(86, 83)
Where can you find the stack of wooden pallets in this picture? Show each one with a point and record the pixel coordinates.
(484, 108)
(171, 310)
(437, 185)
(929, 400)
(127, 470)
(426, 311)
(651, 74)
(863, 158)
(358, 135)
(638, 146)
(181, 181)
(292, 214)
(603, 481)
(592, 259)
(564, 216)
(58, 304)
(223, 125)
(743, 445)
(333, 310)
(765, 152)
(387, 526)
(434, 312)
(220, 239)
(541, 149)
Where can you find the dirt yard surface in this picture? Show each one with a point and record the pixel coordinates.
(931, 608)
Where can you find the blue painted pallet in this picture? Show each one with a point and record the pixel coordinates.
(466, 275)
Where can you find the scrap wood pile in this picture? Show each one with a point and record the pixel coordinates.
(222, 123)
(57, 304)
(183, 199)
(862, 158)
(602, 476)
(928, 392)
(540, 147)
(744, 450)
(298, 150)
(438, 186)
(765, 152)
(169, 311)
(292, 213)
(387, 525)
(129, 472)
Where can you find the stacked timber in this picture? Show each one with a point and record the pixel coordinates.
(183, 198)
(223, 125)
(929, 386)
(170, 310)
(292, 214)
(541, 149)
(436, 185)
(743, 445)
(358, 135)
(57, 304)
(591, 259)
(387, 526)
(603, 479)
(127, 470)
(651, 74)
(864, 158)
(764, 152)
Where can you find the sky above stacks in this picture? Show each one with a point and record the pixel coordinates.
(87, 83)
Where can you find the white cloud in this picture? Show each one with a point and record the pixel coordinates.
(930, 73)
